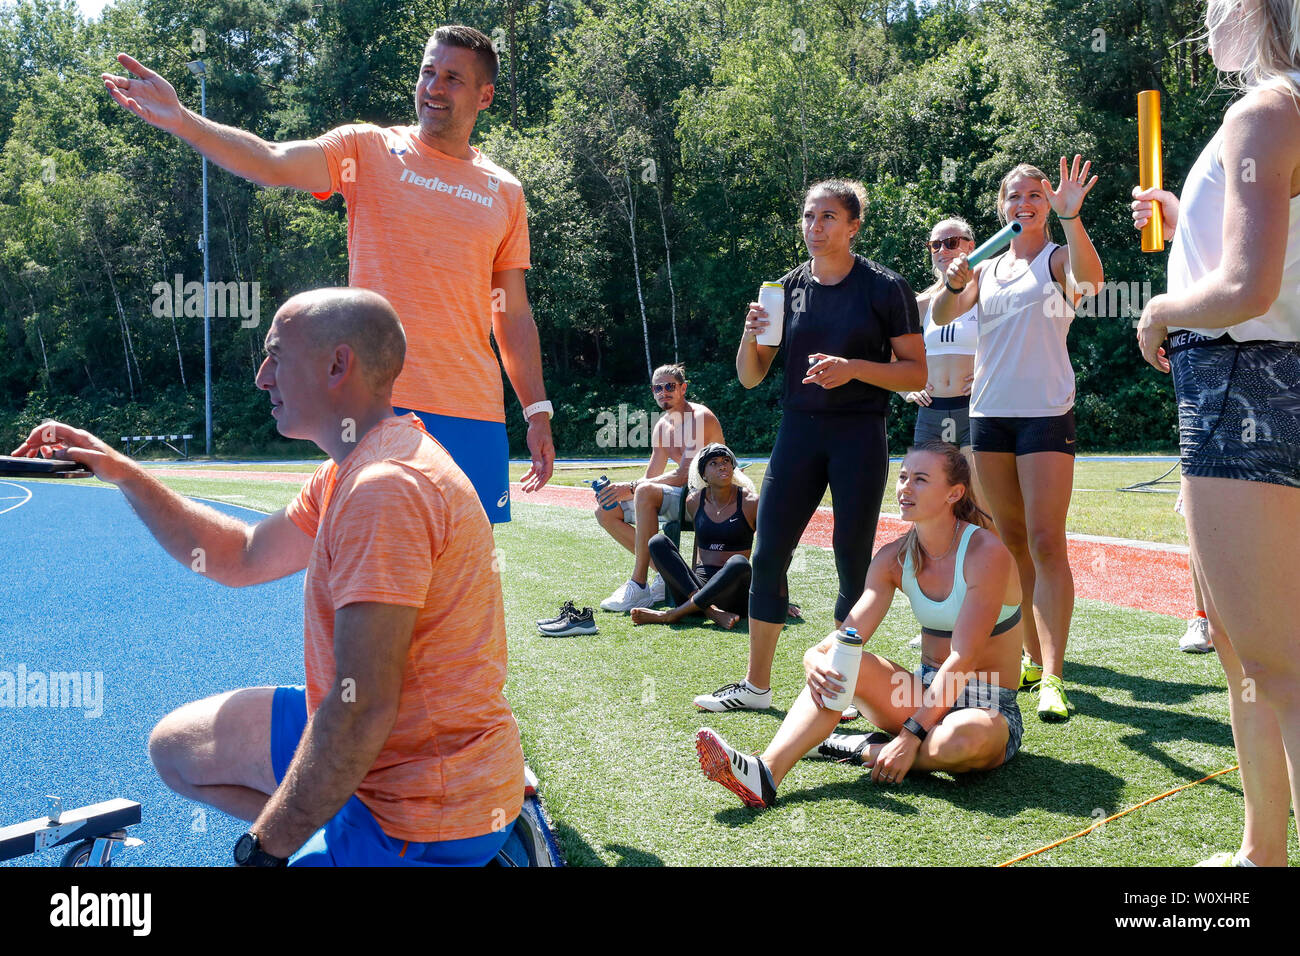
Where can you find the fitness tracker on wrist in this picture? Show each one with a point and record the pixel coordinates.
(915, 729)
(952, 290)
(542, 406)
(249, 852)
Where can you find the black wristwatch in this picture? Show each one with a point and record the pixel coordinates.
(915, 729)
(249, 852)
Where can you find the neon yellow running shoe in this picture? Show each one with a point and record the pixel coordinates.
(1226, 859)
(1053, 705)
(1030, 673)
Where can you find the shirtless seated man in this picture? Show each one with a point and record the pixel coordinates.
(681, 431)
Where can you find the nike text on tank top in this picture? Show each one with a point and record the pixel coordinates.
(940, 617)
(958, 337)
(1022, 367)
(1198, 250)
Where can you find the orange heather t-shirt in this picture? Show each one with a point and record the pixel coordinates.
(426, 231)
(399, 523)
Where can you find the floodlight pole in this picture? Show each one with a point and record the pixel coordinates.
(207, 321)
(199, 69)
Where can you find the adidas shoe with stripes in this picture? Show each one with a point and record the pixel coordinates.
(737, 696)
(746, 777)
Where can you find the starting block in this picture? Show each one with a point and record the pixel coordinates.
(96, 832)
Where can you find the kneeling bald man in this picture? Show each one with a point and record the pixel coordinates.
(401, 749)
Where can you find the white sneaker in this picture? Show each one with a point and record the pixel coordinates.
(739, 696)
(628, 596)
(1197, 639)
(746, 777)
(658, 590)
(915, 642)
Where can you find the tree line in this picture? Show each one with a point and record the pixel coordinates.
(664, 147)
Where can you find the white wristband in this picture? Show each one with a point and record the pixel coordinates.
(542, 406)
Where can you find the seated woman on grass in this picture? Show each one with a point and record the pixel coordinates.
(958, 713)
(723, 506)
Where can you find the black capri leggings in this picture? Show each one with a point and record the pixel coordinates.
(725, 587)
(846, 450)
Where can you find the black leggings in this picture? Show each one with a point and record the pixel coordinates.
(847, 450)
(726, 587)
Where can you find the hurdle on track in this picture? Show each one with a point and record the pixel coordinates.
(167, 440)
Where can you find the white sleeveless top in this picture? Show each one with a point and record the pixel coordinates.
(958, 337)
(1198, 249)
(1022, 368)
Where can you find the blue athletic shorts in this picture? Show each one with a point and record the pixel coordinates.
(352, 837)
(1238, 407)
(482, 451)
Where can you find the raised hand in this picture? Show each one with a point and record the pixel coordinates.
(146, 94)
(1068, 196)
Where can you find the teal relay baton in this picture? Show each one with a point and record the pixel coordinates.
(994, 243)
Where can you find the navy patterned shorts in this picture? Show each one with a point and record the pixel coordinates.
(1238, 407)
(976, 693)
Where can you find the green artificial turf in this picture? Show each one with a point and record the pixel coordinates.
(1097, 506)
(608, 725)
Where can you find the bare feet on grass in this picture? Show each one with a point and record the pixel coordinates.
(648, 615)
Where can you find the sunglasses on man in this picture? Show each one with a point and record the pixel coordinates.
(952, 242)
(665, 387)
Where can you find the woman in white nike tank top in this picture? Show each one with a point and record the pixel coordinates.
(1022, 400)
(1232, 317)
(943, 406)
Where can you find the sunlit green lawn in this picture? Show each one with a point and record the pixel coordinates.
(608, 725)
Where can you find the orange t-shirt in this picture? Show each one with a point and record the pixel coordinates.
(399, 523)
(426, 231)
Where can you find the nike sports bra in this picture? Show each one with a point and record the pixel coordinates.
(730, 534)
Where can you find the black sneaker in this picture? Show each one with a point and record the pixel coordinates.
(565, 610)
(570, 623)
(849, 747)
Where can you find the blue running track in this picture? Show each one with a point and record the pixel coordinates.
(86, 588)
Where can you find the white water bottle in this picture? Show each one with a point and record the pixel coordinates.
(772, 298)
(844, 656)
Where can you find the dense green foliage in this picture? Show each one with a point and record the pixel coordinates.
(664, 146)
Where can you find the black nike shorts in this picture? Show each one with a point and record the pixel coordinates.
(1024, 436)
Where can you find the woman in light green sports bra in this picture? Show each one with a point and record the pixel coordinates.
(959, 712)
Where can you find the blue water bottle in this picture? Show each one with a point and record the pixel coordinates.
(599, 485)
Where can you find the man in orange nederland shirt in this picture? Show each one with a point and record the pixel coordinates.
(435, 227)
(402, 748)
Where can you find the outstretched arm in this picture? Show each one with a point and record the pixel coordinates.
(200, 537)
(300, 164)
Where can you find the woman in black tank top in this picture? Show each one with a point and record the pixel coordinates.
(724, 512)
